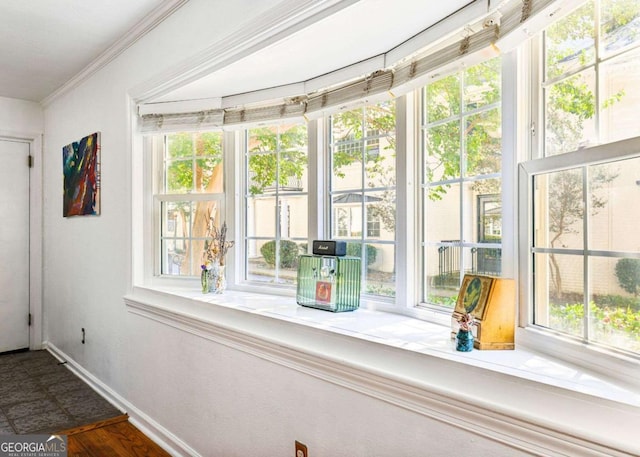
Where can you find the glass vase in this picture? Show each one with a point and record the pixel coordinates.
(464, 341)
(217, 279)
(204, 281)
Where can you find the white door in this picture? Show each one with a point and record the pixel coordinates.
(14, 245)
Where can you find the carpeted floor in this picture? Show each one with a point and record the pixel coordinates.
(38, 395)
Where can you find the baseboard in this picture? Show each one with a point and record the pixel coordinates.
(147, 425)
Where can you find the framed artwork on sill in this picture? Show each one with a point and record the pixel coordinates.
(474, 292)
(491, 301)
(81, 170)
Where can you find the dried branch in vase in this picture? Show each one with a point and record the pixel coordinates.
(216, 245)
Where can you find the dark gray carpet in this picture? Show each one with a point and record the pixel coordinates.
(38, 395)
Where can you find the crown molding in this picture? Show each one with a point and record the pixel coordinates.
(150, 21)
(286, 18)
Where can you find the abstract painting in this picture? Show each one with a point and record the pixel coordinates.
(81, 168)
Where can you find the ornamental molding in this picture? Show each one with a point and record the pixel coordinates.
(150, 21)
(282, 20)
(473, 415)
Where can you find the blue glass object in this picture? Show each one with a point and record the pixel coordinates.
(464, 341)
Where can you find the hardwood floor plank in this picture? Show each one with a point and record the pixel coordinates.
(119, 438)
(104, 423)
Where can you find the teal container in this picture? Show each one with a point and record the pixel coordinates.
(329, 283)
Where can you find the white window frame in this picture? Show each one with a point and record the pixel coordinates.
(243, 270)
(530, 140)
(503, 175)
(146, 265)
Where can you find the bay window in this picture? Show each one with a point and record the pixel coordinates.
(344, 176)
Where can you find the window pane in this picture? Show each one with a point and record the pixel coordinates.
(262, 173)
(363, 159)
(380, 168)
(176, 219)
(182, 224)
(261, 260)
(346, 160)
(620, 96)
(261, 217)
(347, 126)
(292, 171)
(443, 275)
(209, 176)
(209, 170)
(486, 261)
(173, 257)
(482, 84)
(488, 211)
(263, 139)
(569, 43)
(179, 176)
(179, 145)
(443, 214)
(483, 143)
(442, 147)
(570, 113)
(294, 212)
(264, 255)
(620, 24)
(443, 98)
(381, 215)
(276, 202)
(379, 265)
(559, 210)
(558, 289)
(614, 190)
(614, 305)
(194, 163)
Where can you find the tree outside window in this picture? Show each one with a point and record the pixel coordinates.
(591, 91)
(192, 190)
(461, 160)
(362, 191)
(276, 196)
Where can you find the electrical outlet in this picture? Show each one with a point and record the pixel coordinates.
(301, 450)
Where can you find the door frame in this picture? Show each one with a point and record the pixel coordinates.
(35, 233)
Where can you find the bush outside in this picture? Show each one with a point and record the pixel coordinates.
(289, 252)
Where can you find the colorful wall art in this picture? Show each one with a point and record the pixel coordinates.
(81, 168)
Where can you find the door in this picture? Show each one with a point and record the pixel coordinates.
(14, 245)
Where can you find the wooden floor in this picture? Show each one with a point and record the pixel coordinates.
(114, 437)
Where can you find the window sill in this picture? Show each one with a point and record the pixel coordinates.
(517, 395)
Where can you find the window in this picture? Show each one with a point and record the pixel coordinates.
(584, 243)
(190, 191)
(591, 76)
(461, 180)
(362, 191)
(276, 196)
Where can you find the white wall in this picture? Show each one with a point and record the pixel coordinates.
(218, 400)
(20, 117)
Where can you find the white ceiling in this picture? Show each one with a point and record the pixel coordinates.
(45, 43)
(363, 30)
